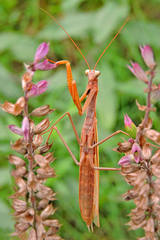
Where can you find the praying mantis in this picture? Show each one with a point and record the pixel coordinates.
(89, 157)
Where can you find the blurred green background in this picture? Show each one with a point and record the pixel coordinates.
(92, 25)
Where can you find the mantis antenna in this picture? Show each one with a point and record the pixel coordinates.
(111, 42)
(76, 44)
(67, 35)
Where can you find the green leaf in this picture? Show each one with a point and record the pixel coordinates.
(106, 103)
(27, 45)
(107, 19)
(7, 89)
(18, 44)
(77, 28)
(5, 219)
(7, 39)
(68, 5)
(5, 177)
(140, 32)
(132, 88)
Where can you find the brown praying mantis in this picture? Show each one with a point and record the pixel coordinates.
(89, 154)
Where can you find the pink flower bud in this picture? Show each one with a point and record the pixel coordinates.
(136, 151)
(41, 52)
(138, 72)
(130, 126)
(147, 55)
(127, 121)
(25, 128)
(23, 131)
(126, 160)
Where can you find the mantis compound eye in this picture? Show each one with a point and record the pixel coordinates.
(86, 72)
(97, 73)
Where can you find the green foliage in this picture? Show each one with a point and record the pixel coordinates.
(92, 24)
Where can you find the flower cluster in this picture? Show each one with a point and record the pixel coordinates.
(33, 201)
(140, 167)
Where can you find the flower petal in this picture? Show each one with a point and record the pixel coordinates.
(41, 52)
(138, 72)
(15, 129)
(136, 151)
(126, 160)
(25, 128)
(33, 91)
(45, 65)
(147, 55)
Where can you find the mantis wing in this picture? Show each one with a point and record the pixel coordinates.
(95, 213)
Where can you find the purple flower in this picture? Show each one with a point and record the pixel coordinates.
(25, 128)
(37, 89)
(138, 72)
(45, 65)
(23, 131)
(126, 160)
(147, 55)
(136, 151)
(41, 52)
(130, 126)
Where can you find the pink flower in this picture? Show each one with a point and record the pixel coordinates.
(38, 88)
(126, 160)
(23, 131)
(130, 126)
(45, 65)
(147, 55)
(136, 151)
(41, 52)
(25, 128)
(138, 72)
(130, 158)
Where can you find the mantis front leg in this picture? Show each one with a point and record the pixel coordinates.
(72, 86)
